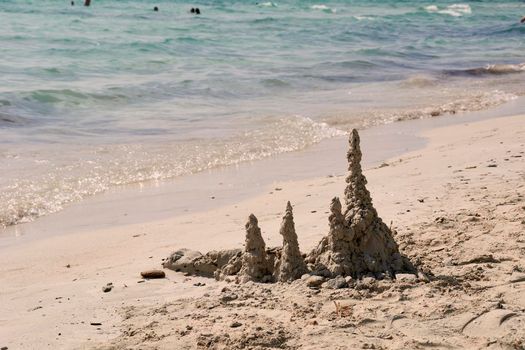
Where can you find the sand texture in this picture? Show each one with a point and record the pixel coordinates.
(455, 209)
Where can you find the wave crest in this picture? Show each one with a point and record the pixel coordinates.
(490, 69)
(455, 10)
(267, 4)
(323, 8)
(475, 102)
(51, 185)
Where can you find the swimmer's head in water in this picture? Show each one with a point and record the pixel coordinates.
(192, 10)
(72, 3)
(197, 11)
(156, 9)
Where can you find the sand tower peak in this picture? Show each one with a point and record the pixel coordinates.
(359, 243)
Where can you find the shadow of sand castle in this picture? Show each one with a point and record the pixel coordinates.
(358, 244)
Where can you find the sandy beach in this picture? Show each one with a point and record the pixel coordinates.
(457, 205)
(262, 175)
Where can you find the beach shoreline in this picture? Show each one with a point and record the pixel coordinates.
(210, 189)
(213, 188)
(469, 173)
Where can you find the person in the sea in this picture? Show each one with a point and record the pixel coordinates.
(72, 3)
(156, 9)
(197, 11)
(523, 20)
(87, 3)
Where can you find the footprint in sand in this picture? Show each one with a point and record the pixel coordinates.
(495, 323)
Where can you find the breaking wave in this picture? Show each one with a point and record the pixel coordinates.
(455, 10)
(491, 69)
(55, 181)
(104, 166)
(323, 8)
(475, 102)
(267, 4)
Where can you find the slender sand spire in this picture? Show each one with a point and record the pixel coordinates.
(254, 262)
(337, 222)
(291, 266)
(359, 211)
(359, 243)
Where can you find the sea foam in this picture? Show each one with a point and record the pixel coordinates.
(323, 8)
(267, 4)
(455, 10)
(54, 183)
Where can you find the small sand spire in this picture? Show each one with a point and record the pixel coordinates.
(337, 222)
(359, 243)
(291, 266)
(254, 262)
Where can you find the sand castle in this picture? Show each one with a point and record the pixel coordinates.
(358, 243)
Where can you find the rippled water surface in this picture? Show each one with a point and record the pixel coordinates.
(116, 93)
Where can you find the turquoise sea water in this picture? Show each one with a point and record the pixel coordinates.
(114, 94)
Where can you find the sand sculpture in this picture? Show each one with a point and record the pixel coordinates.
(255, 265)
(291, 263)
(358, 243)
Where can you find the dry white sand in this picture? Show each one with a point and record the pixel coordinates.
(458, 206)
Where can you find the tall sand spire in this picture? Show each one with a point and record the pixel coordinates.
(359, 211)
(359, 243)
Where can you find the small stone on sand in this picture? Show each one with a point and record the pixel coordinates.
(153, 274)
(314, 281)
(107, 288)
(406, 277)
(336, 283)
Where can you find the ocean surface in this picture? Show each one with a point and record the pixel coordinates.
(115, 94)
